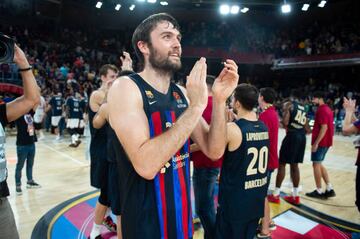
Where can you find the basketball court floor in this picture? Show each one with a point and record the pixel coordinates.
(63, 207)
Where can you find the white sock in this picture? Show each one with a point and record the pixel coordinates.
(73, 138)
(107, 213)
(295, 192)
(319, 190)
(96, 231)
(276, 191)
(329, 187)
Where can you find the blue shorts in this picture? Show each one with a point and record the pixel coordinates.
(319, 155)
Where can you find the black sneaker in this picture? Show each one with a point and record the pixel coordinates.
(18, 190)
(32, 184)
(330, 193)
(316, 194)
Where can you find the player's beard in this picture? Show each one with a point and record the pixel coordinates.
(163, 63)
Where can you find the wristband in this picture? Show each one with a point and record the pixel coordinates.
(25, 69)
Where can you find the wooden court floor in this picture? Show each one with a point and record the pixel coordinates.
(63, 173)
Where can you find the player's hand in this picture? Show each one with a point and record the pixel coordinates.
(226, 82)
(349, 105)
(196, 84)
(126, 62)
(314, 148)
(20, 58)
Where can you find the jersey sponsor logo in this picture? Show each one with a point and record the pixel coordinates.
(152, 102)
(176, 96)
(163, 169)
(179, 101)
(177, 161)
(168, 124)
(149, 94)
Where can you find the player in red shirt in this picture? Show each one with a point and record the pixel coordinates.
(271, 119)
(321, 141)
(352, 126)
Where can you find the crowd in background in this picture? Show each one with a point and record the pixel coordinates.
(67, 62)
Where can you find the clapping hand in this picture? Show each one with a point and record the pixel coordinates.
(226, 82)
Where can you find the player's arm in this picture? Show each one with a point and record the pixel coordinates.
(101, 116)
(286, 115)
(212, 139)
(323, 129)
(234, 137)
(96, 99)
(128, 119)
(307, 126)
(31, 97)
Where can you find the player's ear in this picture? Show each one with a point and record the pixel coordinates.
(143, 47)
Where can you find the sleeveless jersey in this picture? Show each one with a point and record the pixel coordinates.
(56, 103)
(98, 153)
(297, 119)
(158, 208)
(74, 108)
(243, 178)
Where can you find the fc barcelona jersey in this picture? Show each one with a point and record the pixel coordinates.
(158, 208)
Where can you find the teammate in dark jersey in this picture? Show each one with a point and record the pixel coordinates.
(153, 120)
(56, 105)
(98, 153)
(74, 115)
(244, 173)
(114, 190)
(292, 148)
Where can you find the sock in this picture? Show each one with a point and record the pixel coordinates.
(73, 139)
(319, 190)
(96, 231)
(276, 191)
(295, 192)
(329, 187)
(107, 213)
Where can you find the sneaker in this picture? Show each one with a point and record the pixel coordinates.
(109, 224)
(18, 190)
(72, 145)
(315, 194)
(292, 199)
(98, 237)
(272, 226)
(263, 236)
(330, 193)
(32, 184)
(274, 199)
(77, 143)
